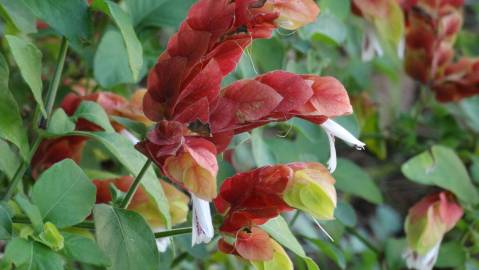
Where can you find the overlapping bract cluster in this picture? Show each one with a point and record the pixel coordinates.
(432, 28)
(426, 224)
(52, 151)
(195, 120)
(265, 193)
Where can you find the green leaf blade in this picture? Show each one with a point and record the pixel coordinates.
(125, 238)
(29, 61)
(64, 194)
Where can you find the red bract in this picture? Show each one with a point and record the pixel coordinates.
(250, 199)
(276, 96)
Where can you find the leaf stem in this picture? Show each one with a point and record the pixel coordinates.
(132, 190)
(55, 82)
(179, 231)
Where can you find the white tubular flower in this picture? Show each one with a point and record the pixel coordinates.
(163, 243)
(422, 262)
(371, 46)
(129, 136)
(202, 231)
(333, 130)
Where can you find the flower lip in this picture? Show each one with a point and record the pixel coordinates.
(202, 225)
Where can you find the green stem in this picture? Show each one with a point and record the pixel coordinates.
(24, 220)
(179, 231)
(90, 225)
(17, 177)
(132, 190)
(363, 239)
(55, 82)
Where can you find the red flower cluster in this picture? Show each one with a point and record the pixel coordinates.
(265, 193)
(195, 119)
(432, 27)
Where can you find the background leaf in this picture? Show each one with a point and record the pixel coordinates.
(351, 179)
(443, 168)
(69, 18)
(125, 25)
(18, 15)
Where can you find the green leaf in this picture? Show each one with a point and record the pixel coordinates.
(32, 211)
(60, 123)
(124, 23)
(170, 13)
(331, 251)
(64, 194)
(18, 15)
(345, 214)
(29, 61)
(261, 152)
(5, 223)
(326, 29)
(339, 8)
(443, 168)
(126, 238)
(94, 113)
(11, 124)
(351, 179)
(393, 252)
(279, 230)
(10, 161)
(108, 68)
(69, 18)
(268, 54)
(141, 9)
(451, 255)
(125, 152)
(84, 250)
(28, 255)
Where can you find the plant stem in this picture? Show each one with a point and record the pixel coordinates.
(132, 190)
(179, 231)
(55, 82)
(25, 220)
(363, 239)
(17, 177)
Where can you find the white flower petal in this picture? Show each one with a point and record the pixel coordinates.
(129, 136)
(338, 131)
(202, 225)
(163, 243)
(424, 262)
(332, 162)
